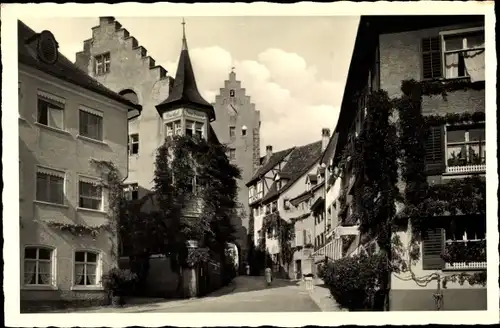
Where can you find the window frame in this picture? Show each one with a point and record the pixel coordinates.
(132, 143)
(91, 113)
(134, 186)
(232, 132)
(98, 272)
(467, 142)
(53, 267)
(456, 32)
(61, 174)
(53, 103)
(90, 181)
(105, 63)
(232, 154)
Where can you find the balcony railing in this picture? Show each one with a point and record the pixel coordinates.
(466, 168)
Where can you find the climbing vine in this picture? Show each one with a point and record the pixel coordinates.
(279, 228)
(387, 149)
(112, 182)
(192, 208)
(422, 201)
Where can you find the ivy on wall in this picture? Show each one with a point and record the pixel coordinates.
(387, 149)
(273, 224)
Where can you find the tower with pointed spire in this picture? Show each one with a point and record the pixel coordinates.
(185, 111)
(238, 126)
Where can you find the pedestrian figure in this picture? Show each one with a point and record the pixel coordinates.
(248, 269)
(269, 276)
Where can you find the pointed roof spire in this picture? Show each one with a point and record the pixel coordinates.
(185, 92)
(184, 41)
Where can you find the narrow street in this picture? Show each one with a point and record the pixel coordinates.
(245, 294)
(251, 295)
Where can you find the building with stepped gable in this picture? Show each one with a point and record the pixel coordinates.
(116, 59)
(238, 126)
(171, 106)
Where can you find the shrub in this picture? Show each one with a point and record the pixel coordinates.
(118, 281)
(354, 281)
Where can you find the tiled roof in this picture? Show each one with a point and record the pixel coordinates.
(63, 68)
(273, 161)
(185, 91)
(300, 161)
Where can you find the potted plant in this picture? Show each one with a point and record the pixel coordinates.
(116, 282)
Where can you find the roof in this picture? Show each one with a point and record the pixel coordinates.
(300, 161)
(275, 159)
(63, 68)
(306, 194)
(330, 149)
(363, 55)
(185, 91)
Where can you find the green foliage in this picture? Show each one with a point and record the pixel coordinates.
(273, 224)
(355, 281)
(471, 251)
(119, 281)
(181, 163)
(79, 229)
(423, 202)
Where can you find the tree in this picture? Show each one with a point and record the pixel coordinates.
(188, 170)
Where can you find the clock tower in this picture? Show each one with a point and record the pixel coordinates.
(238, 126)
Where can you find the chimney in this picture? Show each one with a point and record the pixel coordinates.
(269, 152)
(325, 138)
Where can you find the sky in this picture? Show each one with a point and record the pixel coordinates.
(293, 68)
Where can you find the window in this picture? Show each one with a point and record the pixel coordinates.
(189, 128)
(50, 110)
(132, 191)
(231, 93)
(91, 124)
(177, 128)
(431, 58)
(465, 145)
(232, 132)
(260, 191)
(38, 266)
(102, 64)
(133, 144)
(465, 243)
(232, 154)
(90, 195)
(244, 131)
(50, 186)
(198, 130)
(173, 128)
(86, 268)
(464, 54)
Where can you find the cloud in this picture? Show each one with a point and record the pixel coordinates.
(294, 103)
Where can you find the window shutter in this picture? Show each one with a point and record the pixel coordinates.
(431, 58)
(435, 151)
(432, 247)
